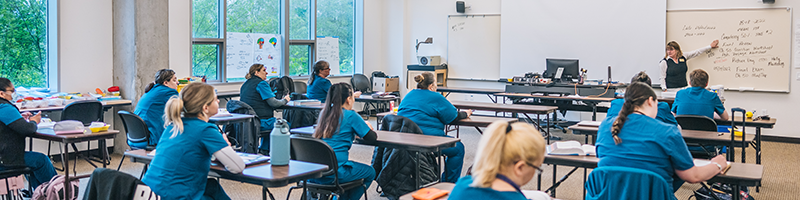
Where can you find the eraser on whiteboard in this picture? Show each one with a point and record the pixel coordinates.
(741, 89)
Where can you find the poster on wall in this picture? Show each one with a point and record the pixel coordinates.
(328, 50)
(246, 49)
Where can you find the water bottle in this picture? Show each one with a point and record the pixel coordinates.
(279, 143)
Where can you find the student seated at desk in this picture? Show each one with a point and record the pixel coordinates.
(183, 155)
(257, 93)
(318, 83)
(338, 126)
(664, 113)
(508, 156)
(696, 100)
(431, 111)
(14, 127)
(635, 139)
(151, 106)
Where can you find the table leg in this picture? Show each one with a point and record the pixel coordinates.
(419, 179)
(548, 129)
(594, 111)
(758, 146)
(539, 183)
(67, 189)
(584, 182)
(104, 151)
(553, 187)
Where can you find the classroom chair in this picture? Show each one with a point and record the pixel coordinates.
(10, 173)
(700, 123)
(109, 184)
(85, 111)
(247, 142)
(613, 182)
(361, 83)
(136, 131)
(300, 89)
(314, 150)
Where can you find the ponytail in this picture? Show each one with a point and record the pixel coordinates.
(162, 75)
(190, 103)
(318, 66)
(501, 146)
(172, 115)
(331, 114)
(635, 95)
(149, 87)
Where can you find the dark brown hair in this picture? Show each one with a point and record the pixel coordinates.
(698, 78)
(162, 75)
(424, 80)
(4, 83)
(253, 69)
(329, 118)
(635, 95)
(677, 47)
(642, 78)
(319, 66)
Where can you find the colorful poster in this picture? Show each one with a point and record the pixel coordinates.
(246, 49)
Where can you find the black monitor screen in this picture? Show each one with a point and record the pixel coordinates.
(570, 69)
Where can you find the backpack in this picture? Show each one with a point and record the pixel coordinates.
(54, 189)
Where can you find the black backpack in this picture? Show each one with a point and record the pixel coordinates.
(281, 86)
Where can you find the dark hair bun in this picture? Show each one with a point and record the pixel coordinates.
(419, 78)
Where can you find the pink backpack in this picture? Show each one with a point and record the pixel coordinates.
(54, 189)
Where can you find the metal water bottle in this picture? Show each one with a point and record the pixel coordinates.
(279, 143)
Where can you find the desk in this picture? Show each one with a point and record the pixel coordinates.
(405, 141)
(378, 103)
(590, 101)
(263, 174)
(514, 109)
(474, 121)
(758, 124)
(297, 105)
(739, 174)
(254, 128)
(67, 140)
(442, 186)
(106, 106)
(488, 92)
(227, 95)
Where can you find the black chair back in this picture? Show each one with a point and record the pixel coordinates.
(86, 111)
(135, 127)
(361, 83)
(696, 122)
(300, 87)
(314, 150)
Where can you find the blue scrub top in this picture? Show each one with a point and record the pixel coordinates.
(8, 114)
(319, 88)
(697, 101)
(265, 90)
(430, 110)
(647, 144)
(462, 190)
(182, 163)
(151, 109)
(350, 125)
(664, 113)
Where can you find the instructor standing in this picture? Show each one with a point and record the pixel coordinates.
(673, 66)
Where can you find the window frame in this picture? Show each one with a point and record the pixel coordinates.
(284, 31)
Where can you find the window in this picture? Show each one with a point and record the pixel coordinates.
(24, 39)
(264, 17)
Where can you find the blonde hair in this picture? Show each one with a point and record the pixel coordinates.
(190, 103)
(499, 148)
(424, 80)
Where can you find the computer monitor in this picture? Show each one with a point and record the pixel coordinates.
(569, 69)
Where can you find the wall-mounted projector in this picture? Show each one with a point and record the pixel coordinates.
(429, 60)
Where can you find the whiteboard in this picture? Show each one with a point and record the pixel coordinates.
(328, 50)
(245, 49)
(626, 35)
(755, 45)
(473, 46)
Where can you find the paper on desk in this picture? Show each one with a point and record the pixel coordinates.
(535, 195)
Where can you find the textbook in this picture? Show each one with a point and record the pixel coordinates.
(590, 123)
(570, 148)
(249, 159)
(223, 113)
(702, 162)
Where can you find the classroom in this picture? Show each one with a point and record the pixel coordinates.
(461, 99)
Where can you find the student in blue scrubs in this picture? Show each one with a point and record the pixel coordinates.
(318, 83)
(664, 113)
(338, 125)
(431, 111)
(696, 100)
(508, 156)
(151, 106)
(635, 139)
(14, 127)
(180, 167)
(257, 93)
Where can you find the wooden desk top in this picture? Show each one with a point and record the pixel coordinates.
(260, 174)
(366, 97)
(481, 121)
(49, 134)
(228, 94)
(742, 173)
(749, 122)
(521, 108)
(469, 90)
(523, 95)
(110, 103)
(292, 105)
(398, 140)
(233, 117)
(585, 130)
(693, 136)
(441, 185)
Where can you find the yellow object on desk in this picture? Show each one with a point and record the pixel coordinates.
(99, 128)
(736, 133)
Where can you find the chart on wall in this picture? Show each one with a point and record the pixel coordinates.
(754, 45)
(328, 50)
(245, 49)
